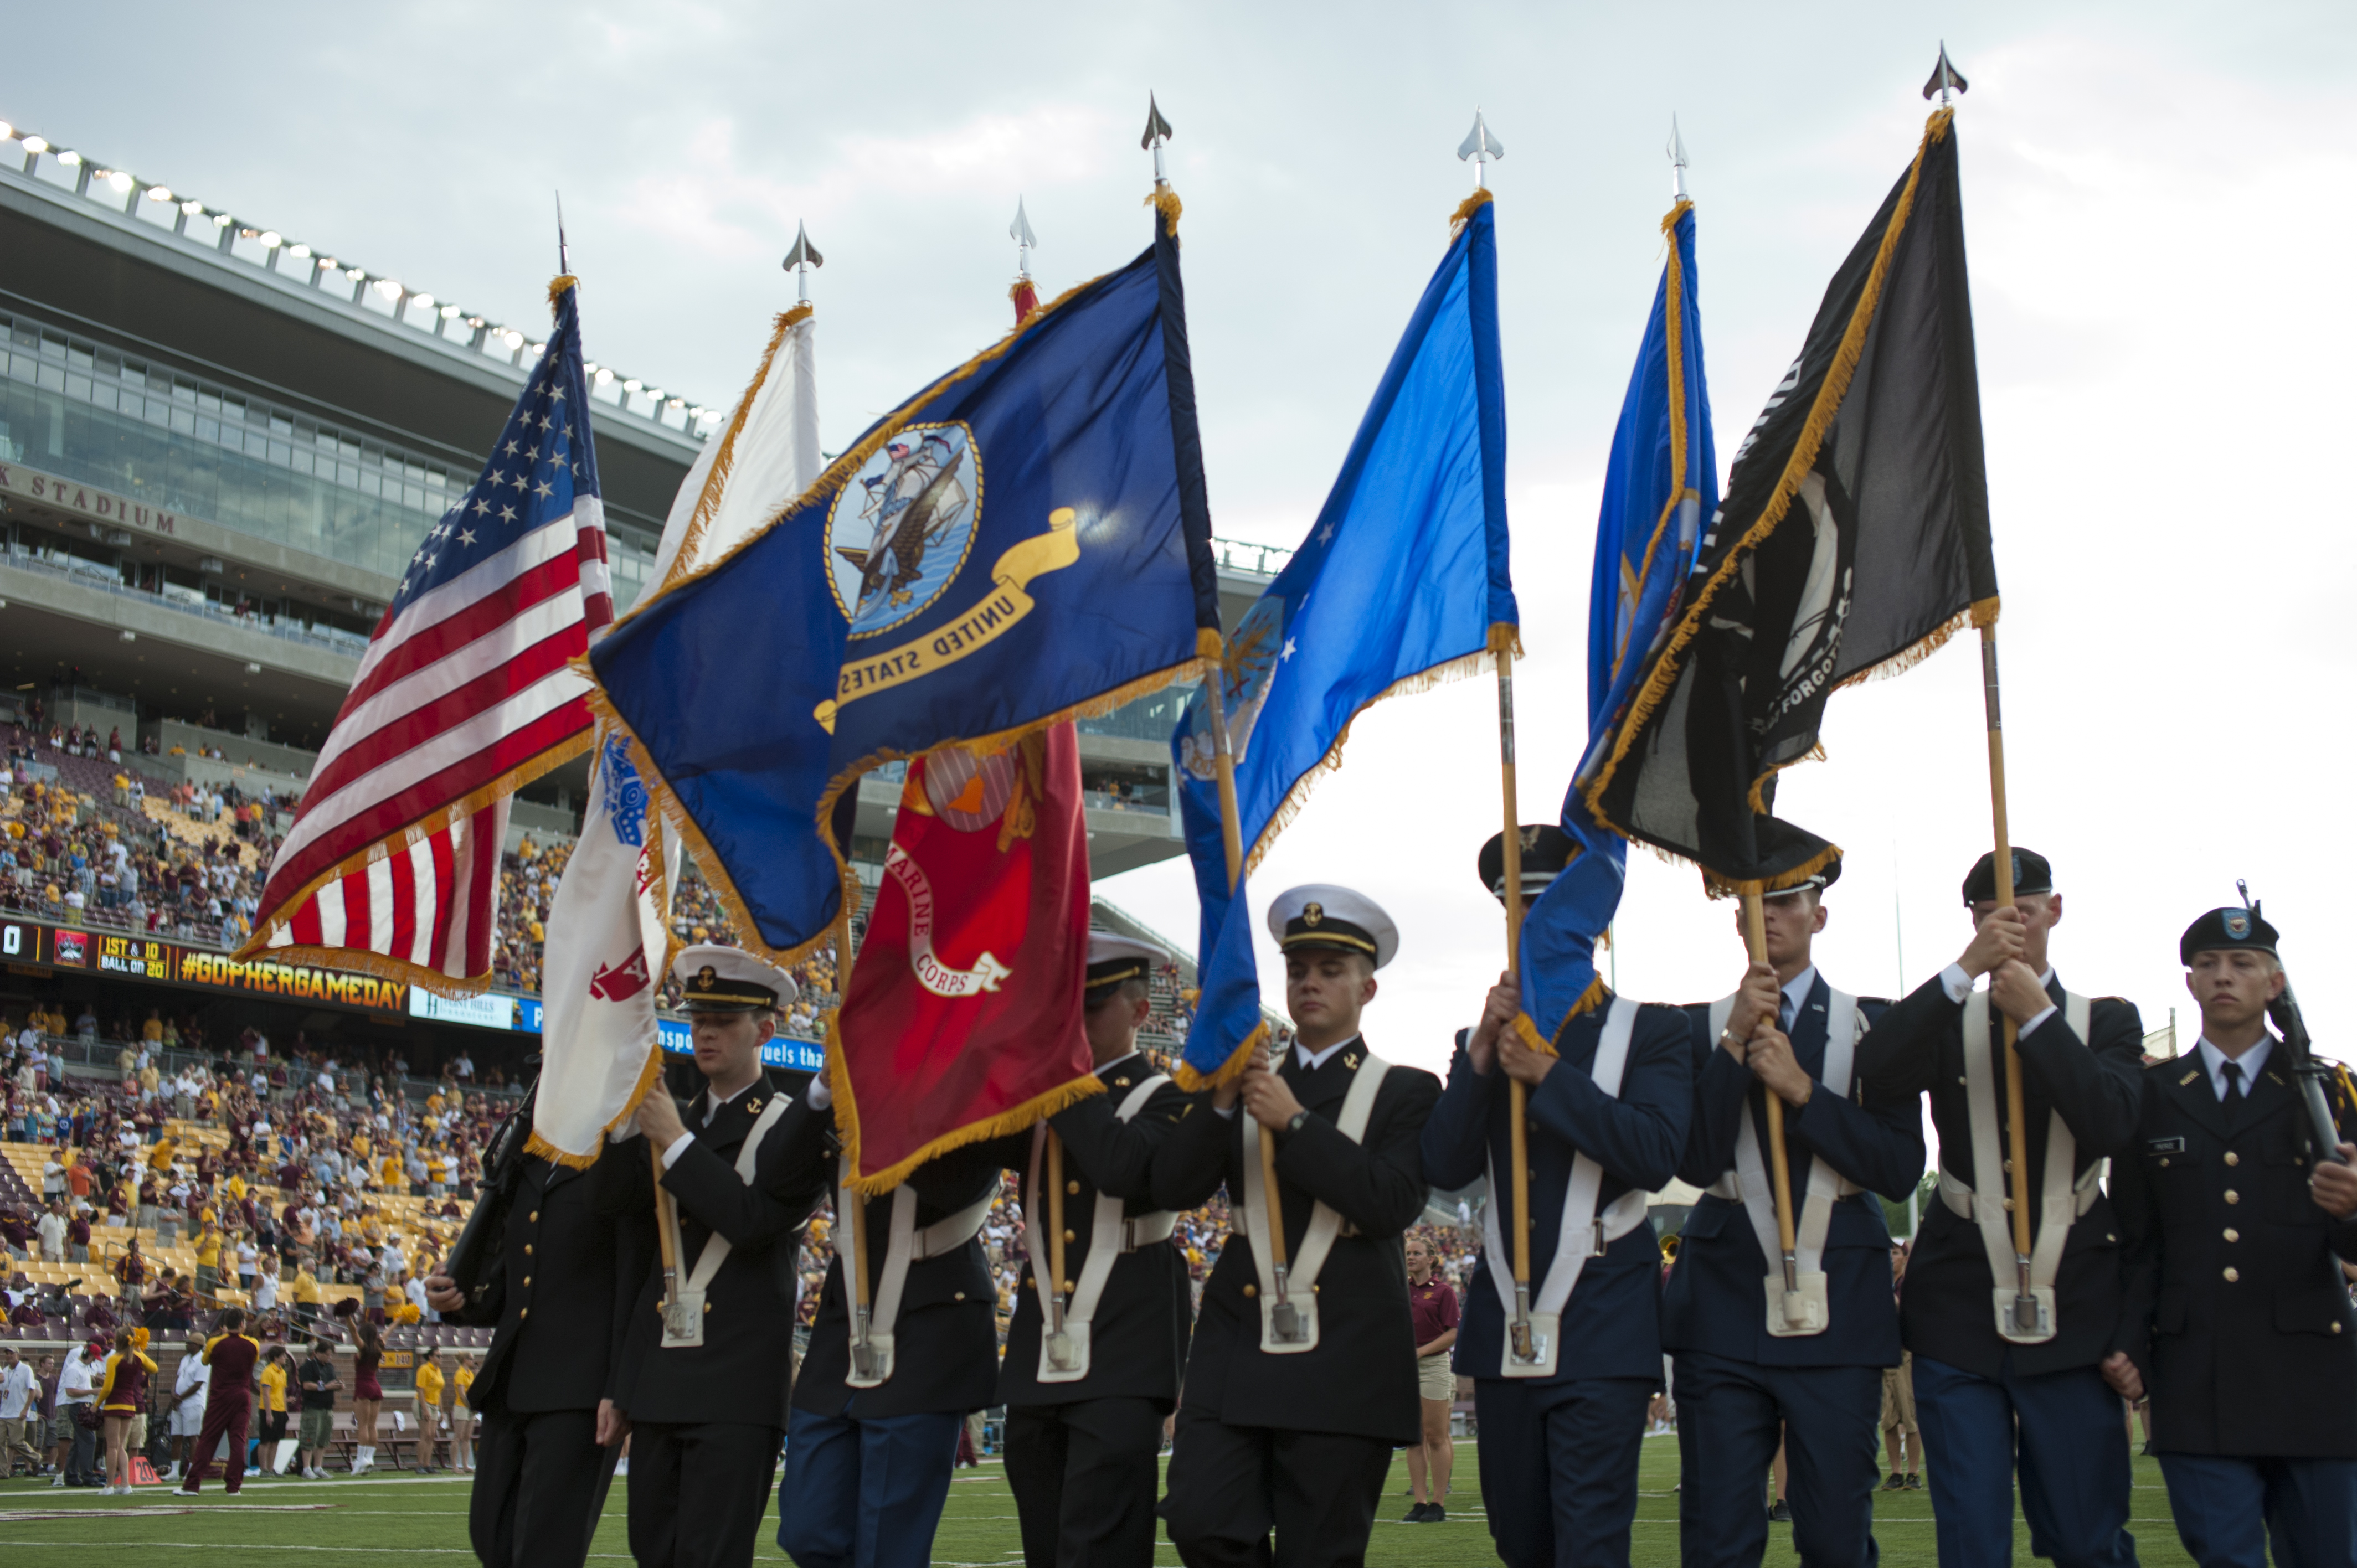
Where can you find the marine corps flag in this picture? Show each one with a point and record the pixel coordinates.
(1023, 541)
(1853, 540)
(964, 1017)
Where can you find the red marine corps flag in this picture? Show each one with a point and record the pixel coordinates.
(964, 1017)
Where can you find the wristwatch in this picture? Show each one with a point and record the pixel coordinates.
(1294, 1126)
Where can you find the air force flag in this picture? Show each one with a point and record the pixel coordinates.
(1402, 582)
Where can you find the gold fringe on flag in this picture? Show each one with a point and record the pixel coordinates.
(1481, 197)
(558, 284)
(724, 457)
(1039, 1108)
(1165, 200)
(1193, 1082)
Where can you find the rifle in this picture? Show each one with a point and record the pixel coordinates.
(2323, 1132)
(475, 1260)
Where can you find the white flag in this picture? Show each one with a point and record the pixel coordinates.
(609, 941)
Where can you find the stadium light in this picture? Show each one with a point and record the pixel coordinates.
(36, 145)
(271, 238)
(192, 207)
(159, 193)
(71, 158)
(6, 131)
(300, 252)
(120, 181)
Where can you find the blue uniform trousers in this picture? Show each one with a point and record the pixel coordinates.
(1559, 1467)
(1730, 1415)
(2073, 1458)
(2230, 1509)
(865, 1494)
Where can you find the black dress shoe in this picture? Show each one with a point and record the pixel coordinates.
(1781, 1513)
(1436, 1513)
(1896, 1484)
(1414, 1514)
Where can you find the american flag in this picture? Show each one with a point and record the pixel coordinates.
(465, 694)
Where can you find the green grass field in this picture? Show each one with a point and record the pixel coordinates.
(377, 1516)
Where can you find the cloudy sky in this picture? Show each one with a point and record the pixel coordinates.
(2159, 207)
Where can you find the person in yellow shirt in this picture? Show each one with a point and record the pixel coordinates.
(304, 1291)
(272, 1378)
(233, 1189)
(152, 1031)
(159, 1158)
(462, 1418)
(208, 1249)
(389, 1177)
(433, 1103)
(429, 1412)
(362, 1148)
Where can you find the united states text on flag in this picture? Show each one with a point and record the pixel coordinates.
(465, 694)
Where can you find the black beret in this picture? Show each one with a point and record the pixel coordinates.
(2233, 926)
(2030, 875)
(1546, 850)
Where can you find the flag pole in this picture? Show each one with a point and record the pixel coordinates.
(1796, 1311)
(2017, 1136)
(1518, 1094)
(861, 1310)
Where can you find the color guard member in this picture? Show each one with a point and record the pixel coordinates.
(1302, 1379)
(2239, 1323)
(1561, 1404)
(1995, 1391)
(709, 1361)
(1091, 1370)
(1759, 1352)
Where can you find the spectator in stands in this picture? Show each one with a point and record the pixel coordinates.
(52, 1231)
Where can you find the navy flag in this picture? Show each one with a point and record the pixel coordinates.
(1854, 539)
(1023, 541)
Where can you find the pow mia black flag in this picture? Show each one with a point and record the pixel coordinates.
(1853, 540)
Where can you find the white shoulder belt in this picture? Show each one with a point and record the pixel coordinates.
(682, 1327)
(1751, 1183)
(1583, 1234)
(2061, 1200)
(1064, 1353)
(871, 1338)
(1288, 1316)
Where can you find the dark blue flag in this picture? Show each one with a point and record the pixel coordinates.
(1662, 482)
(1023, 541)
(1403, 582)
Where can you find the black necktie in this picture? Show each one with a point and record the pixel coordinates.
(2234, 1100)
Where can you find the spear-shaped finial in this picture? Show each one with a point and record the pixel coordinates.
(1944, 76)
(800, 260)
(1677, 151)
(1157, 131)
(563, 266)
(1481, 148)
(1024, 241)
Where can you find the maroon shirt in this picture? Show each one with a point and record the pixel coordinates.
(1433, 1309)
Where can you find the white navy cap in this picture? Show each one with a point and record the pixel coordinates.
(1320, 915)
(719, 979)
(1113, 958)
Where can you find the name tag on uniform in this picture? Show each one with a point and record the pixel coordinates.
(2164, 1145)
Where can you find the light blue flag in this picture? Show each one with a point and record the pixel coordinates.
(1662, 481)
(1403, 581)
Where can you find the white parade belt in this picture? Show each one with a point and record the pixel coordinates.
(682, 1324)
(871, 1335)
(1288, 1304)
(2061, 1199)
(1064, 1336)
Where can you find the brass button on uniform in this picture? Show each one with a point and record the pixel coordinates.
(2336, 1328)
(522, 1313)
(957, 1295)
(527, 1282)
(707, 1307)
(2232, 1276)
(2164, 1159)
(1250, 1290)
(2233, 1158)
(1072, 1186)
(1071, 1236)
(527, 1249)
(533, 1216)
(2234, 1196)
(2232, 1234)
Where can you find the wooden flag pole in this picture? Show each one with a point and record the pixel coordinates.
(1057, 1285)
(861, 1310)
(1518, 1095)
(1755, 935)
(1215, 708)
(2017, 1136)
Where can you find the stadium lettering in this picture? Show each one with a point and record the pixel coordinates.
(268, 978)
(82, 499)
